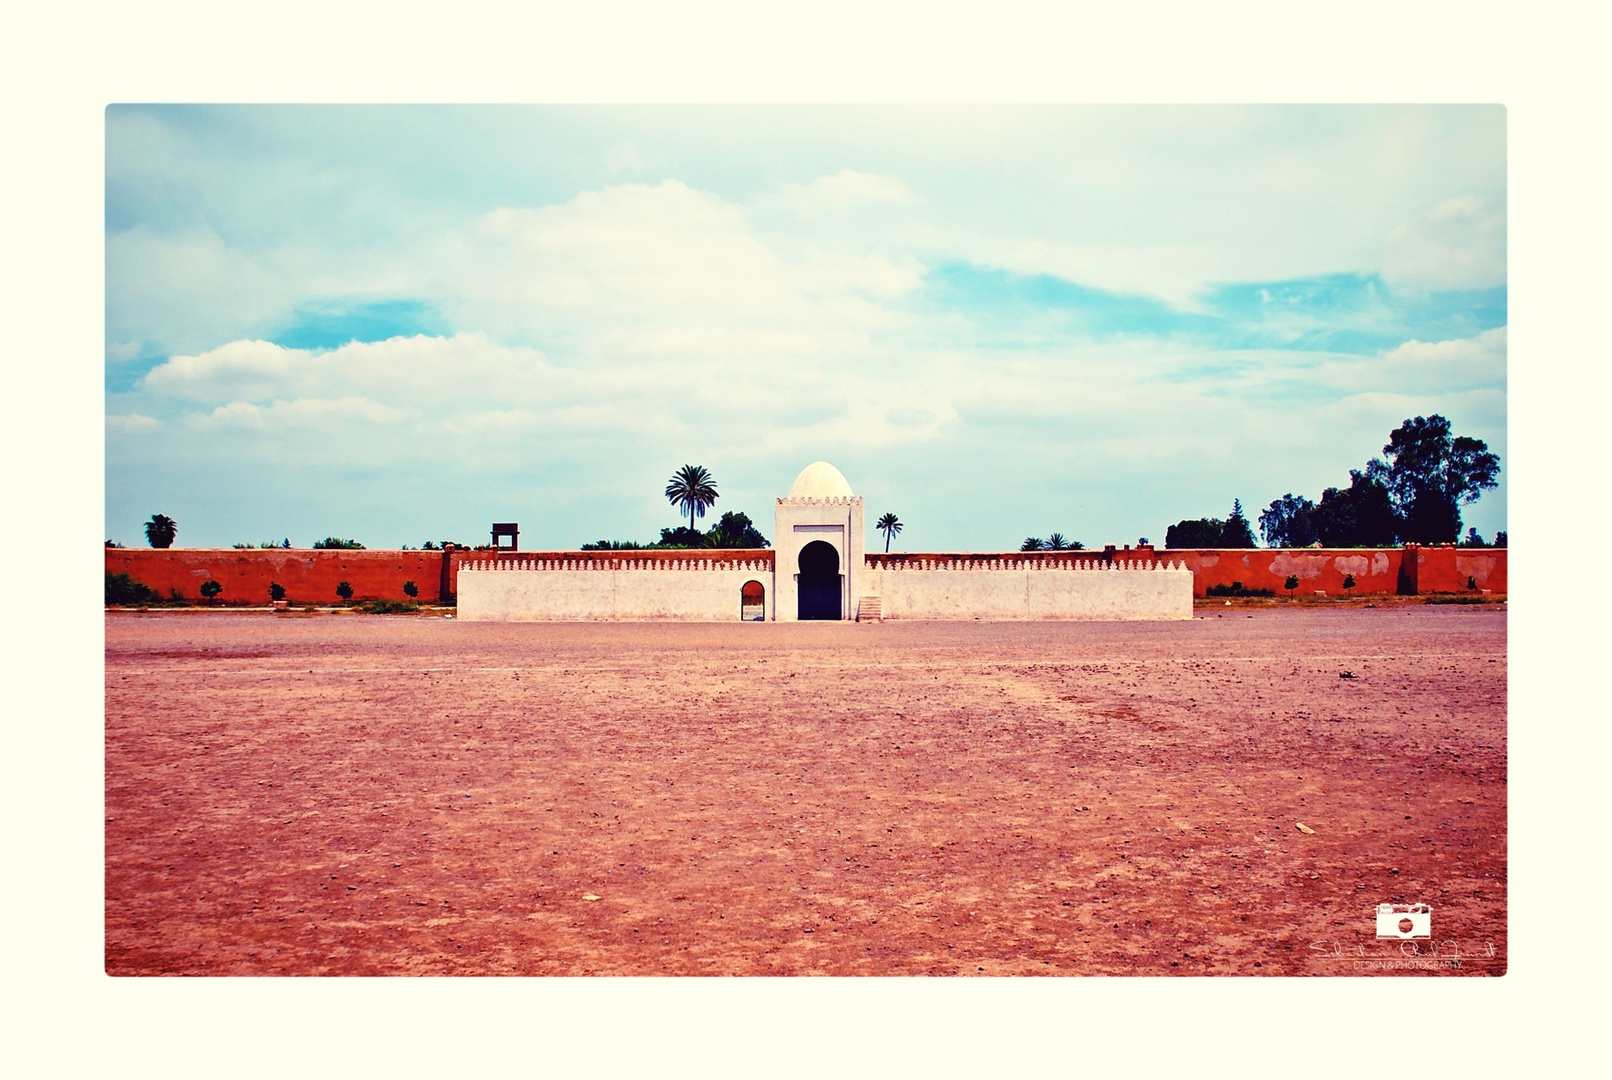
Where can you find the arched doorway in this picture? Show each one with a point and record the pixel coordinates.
(753, 602)
(819, 581)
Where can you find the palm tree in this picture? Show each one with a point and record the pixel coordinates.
(1033, 543)
(1056, 542)
(692, 489)
(889, 525)
(161, 530)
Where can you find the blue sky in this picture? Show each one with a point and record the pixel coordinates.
(403, 323)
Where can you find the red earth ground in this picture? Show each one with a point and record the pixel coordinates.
(350, 794)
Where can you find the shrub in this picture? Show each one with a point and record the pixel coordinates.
(1291, 583)
(410, 589)
(335, 543)
(1472, 583)
(1348, 581)
(389, 607)
(210, 589)
(123, 589)
(344, 590)
(276, 591)
(1235, 589)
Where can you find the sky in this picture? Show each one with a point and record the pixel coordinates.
(399, 324)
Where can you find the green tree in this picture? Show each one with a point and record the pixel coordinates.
(680, 537)
(1237, 534)
(1033, 543)
(889, 524)
(734, 530)
(161, 530)
(210, 589)
(1195, 533)
(344, 590)
(335, 543)
(410, 589)
(276, 591)
(1361, 515)
(1289, 522)
(123, 589)
(1431, 474)
(692, 490)
(1056, 542)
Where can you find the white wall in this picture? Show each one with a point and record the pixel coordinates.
(565, 595)
(710, 595)
(1025, 593)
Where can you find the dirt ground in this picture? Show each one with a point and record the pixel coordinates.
(350, 794)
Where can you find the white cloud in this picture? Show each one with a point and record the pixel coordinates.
(1474, 361)
(315, 413)
(1459, 244)
(663, 261)
(190, 289)
(1454, 366)
(133, 422)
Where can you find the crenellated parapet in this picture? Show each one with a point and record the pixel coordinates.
(753, 561)
(985, 562)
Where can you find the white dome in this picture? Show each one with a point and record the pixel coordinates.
(820, 480)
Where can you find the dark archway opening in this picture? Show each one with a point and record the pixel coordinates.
(819, 581)
(753, 602)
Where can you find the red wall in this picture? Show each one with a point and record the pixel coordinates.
(1445, 569)
(311, 576)
(1376, 570)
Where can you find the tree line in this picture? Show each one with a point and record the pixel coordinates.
(1413, 494)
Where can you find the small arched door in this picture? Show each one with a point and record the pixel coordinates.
(819, 581)
(753, 602)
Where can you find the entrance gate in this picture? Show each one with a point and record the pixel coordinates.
(819, 582)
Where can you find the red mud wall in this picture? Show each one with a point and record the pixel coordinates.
(1375, 570)
(309, 577)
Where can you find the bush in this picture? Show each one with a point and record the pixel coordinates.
(1348, 581)
(276, 591)
(410, 589)
(344, 590)
(1291, 583)
(1235, 589)
(123, 589)
(334, 543)
(389, 607)
(210, 589)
